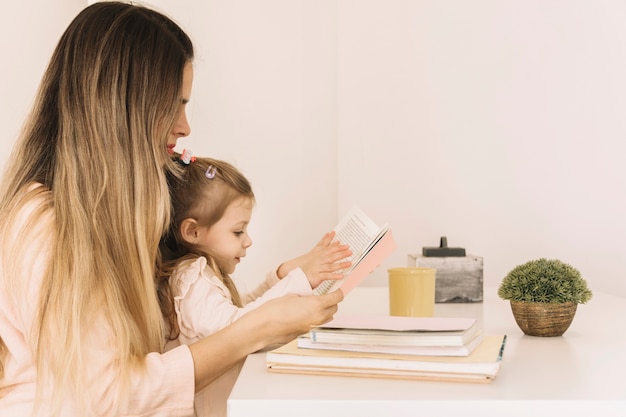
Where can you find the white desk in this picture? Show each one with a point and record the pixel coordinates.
(582, 373)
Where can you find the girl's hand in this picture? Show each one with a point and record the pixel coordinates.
(323, 262)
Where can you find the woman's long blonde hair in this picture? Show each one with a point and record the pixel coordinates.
(96, 139)
(194, 195)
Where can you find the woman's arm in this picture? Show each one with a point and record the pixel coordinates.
(277, 321)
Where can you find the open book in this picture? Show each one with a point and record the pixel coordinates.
(370, 245)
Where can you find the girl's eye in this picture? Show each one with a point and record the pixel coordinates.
(238, 233)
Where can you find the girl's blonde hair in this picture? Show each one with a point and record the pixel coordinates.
(205, 199)
(96, 140)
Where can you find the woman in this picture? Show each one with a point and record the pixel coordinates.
(83, 204)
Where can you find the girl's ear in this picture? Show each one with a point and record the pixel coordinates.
(189, 230)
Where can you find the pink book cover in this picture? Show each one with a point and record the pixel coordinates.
(385, 247)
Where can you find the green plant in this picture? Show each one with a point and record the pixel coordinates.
(544, 281)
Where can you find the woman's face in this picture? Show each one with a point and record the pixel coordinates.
(181, 127)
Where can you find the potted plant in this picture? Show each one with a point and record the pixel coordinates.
(544, 294)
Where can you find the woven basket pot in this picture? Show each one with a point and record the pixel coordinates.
(543, 319)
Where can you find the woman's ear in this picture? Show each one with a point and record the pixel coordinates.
(189, 230)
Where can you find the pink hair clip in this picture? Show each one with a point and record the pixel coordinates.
(210, 172)
(187, 157)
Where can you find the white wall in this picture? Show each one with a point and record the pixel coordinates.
(496, 123)
(29, 31)
(264, 99)
(499, 124)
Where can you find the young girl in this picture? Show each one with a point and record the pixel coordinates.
(212, 205)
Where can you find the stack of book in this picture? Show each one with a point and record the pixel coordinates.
(434, 348)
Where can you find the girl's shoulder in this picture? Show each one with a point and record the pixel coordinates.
(190, 271)
(190, 268)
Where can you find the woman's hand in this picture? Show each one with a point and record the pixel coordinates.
(278, 321)
(323, 262)
(292, 315)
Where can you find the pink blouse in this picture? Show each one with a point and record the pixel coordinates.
(164, 388)
(204, 305)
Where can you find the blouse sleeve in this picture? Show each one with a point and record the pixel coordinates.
(270, 280)
(162, 386)
(204, 305)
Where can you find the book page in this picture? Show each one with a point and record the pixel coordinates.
(359, 232)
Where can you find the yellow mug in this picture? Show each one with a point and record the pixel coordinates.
(412, 291)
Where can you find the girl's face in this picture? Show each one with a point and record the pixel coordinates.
(181, 127)
(227, 240)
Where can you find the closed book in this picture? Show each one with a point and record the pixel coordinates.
(305, 342)
(482, 365)
(397, 331)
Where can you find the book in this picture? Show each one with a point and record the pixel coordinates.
(370, 245)
(397, 331)
(305, 342)
(482, 365)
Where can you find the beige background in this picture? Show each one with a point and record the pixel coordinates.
(499, 124)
